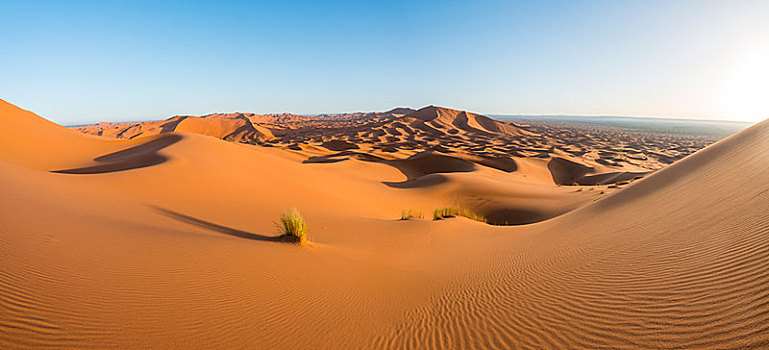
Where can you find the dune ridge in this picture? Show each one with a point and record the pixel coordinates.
(643, 268)
(182, 253)
(232, 127)
(402, 132)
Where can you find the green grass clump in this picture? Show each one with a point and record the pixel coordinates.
(408, 214)
(441, 213)
(292, 226)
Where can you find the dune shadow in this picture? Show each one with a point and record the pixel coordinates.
(566, 172)
(342, 156)
(515, 216)
(427, 163)
(140, 156)
(339, 145)
(324, 160)
(216, 227)
(419, 182)
(505, 164)
(417, 168)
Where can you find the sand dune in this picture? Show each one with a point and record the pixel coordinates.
(401, 133)
(34, 142)
(662, 264)
(567, 172)
(431, 118)
(134, 157)
(167, 241)
(232, 127)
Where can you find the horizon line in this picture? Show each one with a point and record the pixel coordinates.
(699, 119)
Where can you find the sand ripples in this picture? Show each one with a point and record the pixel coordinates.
(677, 268)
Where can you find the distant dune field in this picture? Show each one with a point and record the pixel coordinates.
(162, 234)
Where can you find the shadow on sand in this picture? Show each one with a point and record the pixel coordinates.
(136, 157)
(218, 228)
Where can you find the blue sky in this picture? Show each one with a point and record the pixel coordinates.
(89, 61)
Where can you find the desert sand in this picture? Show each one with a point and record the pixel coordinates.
(512, 167)
(158, 235)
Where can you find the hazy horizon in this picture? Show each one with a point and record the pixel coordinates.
(495, 116)
(85, 62)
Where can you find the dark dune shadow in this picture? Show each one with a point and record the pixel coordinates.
(416, 168)
(339, 145)
(566, 172)
(420, 182)
(426, 163)
(515, 216)
(505, 164)
(342, 156)
(216, 227)
(136, 157)
(324, 160)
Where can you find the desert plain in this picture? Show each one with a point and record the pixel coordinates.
(162, 234)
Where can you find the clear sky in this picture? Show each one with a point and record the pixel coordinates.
(83, 61)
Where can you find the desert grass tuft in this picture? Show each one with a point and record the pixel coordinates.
(292, 226)
(441, 213)
(409, 214)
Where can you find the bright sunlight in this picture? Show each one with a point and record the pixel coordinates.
(746, 92)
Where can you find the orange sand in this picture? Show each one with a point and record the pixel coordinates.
(166, 241)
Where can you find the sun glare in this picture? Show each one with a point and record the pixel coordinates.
(746, 92)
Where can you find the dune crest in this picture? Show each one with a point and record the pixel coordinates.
(643, 268)
(434, 118)
(232, 127)
(169, 241)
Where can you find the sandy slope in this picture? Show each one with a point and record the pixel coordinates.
(678, 260)
(233, 127)
(167, 242)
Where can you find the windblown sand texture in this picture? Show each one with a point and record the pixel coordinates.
(166, 239)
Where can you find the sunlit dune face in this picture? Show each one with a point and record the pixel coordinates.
(746, 92)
